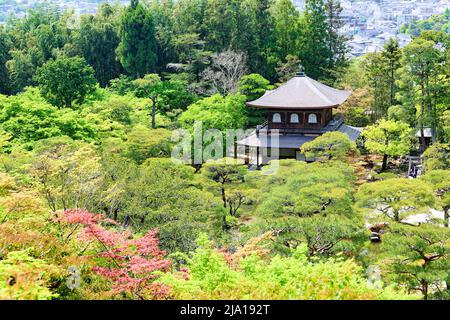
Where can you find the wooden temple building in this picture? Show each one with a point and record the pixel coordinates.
(297, 112)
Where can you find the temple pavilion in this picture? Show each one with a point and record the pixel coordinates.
(297, 112)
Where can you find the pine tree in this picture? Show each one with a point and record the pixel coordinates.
(392, 55)
(314, 51)
(336, 41)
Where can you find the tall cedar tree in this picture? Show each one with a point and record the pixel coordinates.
(4, 56)
(98, 40)
(137, 48)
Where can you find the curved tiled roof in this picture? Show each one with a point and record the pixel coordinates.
(302, 92)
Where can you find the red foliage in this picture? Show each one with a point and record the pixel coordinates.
(132, 264)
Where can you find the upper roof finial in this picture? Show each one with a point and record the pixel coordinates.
(301, 72)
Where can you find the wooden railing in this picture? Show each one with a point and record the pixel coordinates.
(307, 129)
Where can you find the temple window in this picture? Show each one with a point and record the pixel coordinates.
(276, 118)
(312, 118)
(294, 118)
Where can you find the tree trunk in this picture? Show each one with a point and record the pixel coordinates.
(423, 145)
(153, 116)
(396, 216)
(446, 216)
(385, 162)
(224, 223)
(425, 289)
(224, 198)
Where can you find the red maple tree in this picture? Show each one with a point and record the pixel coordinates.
(132, 264)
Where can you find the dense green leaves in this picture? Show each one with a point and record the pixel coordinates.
(247, 275)
(137, 48)
(331, 145)
(65, 81)
(388, 138)
(217, 112)
(396, 198)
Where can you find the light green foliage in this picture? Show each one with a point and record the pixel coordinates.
(396, 198)
(331, 145)
(225, 172)
(300, 189)
(27, 117)
(440, 181)
(424, 61)
(419, 258)
(311, 204)
(67, 174)
(253, 86)
(399, 113)
(65, 81)
(439, 22)
(445, 119)
(388, 138)
(160, 194)
(217, 112)
(23, 277)
(211, 276)
(437, 157)
(143, 143)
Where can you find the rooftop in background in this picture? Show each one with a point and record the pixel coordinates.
(301, 92)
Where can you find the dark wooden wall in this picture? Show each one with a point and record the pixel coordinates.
(323, 117)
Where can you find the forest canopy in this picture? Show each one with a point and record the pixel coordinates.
(92, 205)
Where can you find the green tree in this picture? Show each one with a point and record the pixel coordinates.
(331, 145)
(375, 68)
(23, 277)
(150, 86)
(4, 57)
(440, 180)
(224, 171)
(392, 55)
(336, 41)
(143, 143)
(97, 40)
(258, 37)
(437, 157)
(286, 27)
(137, 48)
(67, 174)
(419, 257)
(65, 81)
(28, 117)
(396, 198)
(314, 51)
(312, 204)
(163, 195)
(421, 58)
(251, 273)
(388, 138)
(217, 112)
(288, 69)
(254, 86)
(322, 48)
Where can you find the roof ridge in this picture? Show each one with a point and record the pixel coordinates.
(316, 90)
